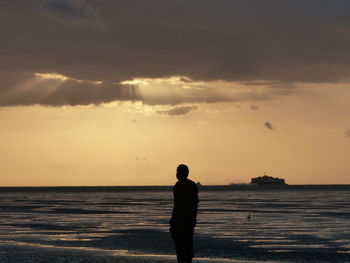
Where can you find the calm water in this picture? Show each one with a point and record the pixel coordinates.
(287, 225)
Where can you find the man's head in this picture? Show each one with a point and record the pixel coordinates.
(182, 172)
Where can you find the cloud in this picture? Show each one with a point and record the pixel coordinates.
(58, 90)
(73, 13)
(347, 132)
(141, 158)
(177, 111)
(65, 7)
(268, 125)
(275, 44)
(55, 89)
(254, 107)
(183, 90)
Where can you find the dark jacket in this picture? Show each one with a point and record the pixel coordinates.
(185, 205)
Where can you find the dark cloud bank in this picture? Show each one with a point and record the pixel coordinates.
(283, 41)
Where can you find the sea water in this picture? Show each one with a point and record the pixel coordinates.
(130, 224)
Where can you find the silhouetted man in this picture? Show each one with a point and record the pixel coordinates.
(183, 219)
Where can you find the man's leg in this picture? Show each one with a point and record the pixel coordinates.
(180, 250)
(188, 248)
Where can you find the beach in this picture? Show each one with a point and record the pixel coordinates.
(131, 225)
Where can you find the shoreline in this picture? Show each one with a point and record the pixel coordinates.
(28, 253)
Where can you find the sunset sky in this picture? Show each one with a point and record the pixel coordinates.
(119, 92)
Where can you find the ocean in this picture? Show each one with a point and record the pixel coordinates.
(130, 224)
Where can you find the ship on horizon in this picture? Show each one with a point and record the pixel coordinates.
(267, 180)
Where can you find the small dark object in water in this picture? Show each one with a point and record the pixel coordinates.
(249, 217)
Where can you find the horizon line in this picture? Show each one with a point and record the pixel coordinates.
(209, 185)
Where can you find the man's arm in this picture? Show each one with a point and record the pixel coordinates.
(195, 204)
